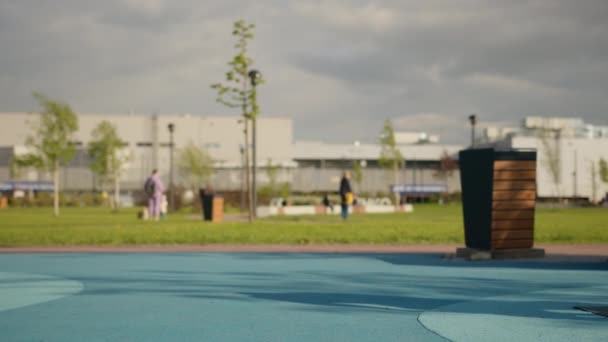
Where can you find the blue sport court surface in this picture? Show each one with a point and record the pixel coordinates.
(296, 297)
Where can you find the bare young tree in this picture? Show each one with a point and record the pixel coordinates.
(357, 174)
(603, 170)
(390, 155)
(446, 168)
(551, 140)
(603, 166)
(593, 182)
(234, 93)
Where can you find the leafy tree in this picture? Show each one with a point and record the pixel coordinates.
(51, 142)
(235, 92)
(109, 156)
(195, 165)
(390, 155)
(604, 170)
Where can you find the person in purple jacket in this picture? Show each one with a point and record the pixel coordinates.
(154, 190)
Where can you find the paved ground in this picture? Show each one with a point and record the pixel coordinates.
(296, 297)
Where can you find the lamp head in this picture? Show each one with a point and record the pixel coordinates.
(473, 119)
(255, 76)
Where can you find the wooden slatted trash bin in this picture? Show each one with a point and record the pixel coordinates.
(498, 202)
(212, 205)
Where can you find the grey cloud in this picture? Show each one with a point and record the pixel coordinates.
(328, 64)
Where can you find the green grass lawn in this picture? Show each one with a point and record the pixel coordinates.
(428, 224)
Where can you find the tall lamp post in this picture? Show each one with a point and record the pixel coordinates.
(171, 128)
(473, 121)
(242, 150)
(255, 76)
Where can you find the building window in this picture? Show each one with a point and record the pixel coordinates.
(144, 144)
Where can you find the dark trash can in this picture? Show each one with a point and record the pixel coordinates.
(498, 198)
(212, 206)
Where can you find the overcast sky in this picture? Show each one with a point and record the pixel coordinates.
(338, 68)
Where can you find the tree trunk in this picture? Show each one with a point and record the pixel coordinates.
(56, 189)
(248, 173)
(116, 192)
(593, 184)
(247, 143)
(396, 182)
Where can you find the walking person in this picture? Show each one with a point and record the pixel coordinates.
(346, 194)
(154, 190)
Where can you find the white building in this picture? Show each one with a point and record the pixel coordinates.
(147, 138)
(322, 164)
(307, 166)
(578, 148)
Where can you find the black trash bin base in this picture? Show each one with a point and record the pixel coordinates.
(483, 254)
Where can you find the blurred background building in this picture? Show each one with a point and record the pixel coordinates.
(306, 166)
(569, 152)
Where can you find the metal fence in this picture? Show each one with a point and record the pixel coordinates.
(300, 179)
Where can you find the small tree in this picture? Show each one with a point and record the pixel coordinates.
(14, 170)
(593, 182)
(552, 156)
(235, 92)
(272, 173)
(446, 168)
(357, 174)
(51, 141)
(195, 165)
(108, 156)
(274, 188)
(603, 170)
(390, 155)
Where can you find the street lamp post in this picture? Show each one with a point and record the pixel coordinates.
(171, 128)
(254, 76)
(243, 170)
(473, 121)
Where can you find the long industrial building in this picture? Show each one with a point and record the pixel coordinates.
(306, 166)
(316, 166)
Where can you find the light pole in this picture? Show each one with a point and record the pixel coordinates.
(171, 128)
(242, 150)
(255, 76)
(473, 121)
(356, 165)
